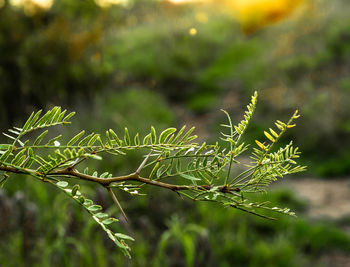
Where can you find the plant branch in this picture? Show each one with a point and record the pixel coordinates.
(131, 177)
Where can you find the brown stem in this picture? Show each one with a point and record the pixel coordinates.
(131, 177)
(11, 169)
(108, 181)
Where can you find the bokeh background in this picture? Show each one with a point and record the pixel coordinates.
(168, 63)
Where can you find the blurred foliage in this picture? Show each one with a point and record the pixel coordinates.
(163, 238)
(45, 58)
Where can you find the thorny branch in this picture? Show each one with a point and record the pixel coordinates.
(206, 164)
(70, 172)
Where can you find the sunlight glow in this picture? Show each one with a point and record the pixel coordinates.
(251, 14)
(44, 4)
(192, 31)
(186, 1)
(108, 3)
(32, 5)
(17, 3)
(254, 14)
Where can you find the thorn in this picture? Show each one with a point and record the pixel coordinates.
(117, 203)
(143, 163)
(77, 161)
(182, 198)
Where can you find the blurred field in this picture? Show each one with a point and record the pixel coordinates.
(142, 63)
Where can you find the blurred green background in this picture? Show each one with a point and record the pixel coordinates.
(169, 63)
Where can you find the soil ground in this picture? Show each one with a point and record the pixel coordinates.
(327, 198)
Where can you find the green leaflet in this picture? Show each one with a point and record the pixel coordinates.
(62, 184)
(40, 138)
(115, 137)
(18, 159)
(95, 208)
(189, 177)
(53, 140)
(109, 140)
(83, 141)
(76, 138)
(55, 115)
(165, 134)
(127, 137)
(28, 122)
(6, 154)
(88, 202)
(101, 215)
(137, 140)
(4, 146)
(31, 122)
(184, 139)
(146, 139)
(92, 140)
(75, 189)
(70, 115)
(109, 221)
(123, 236)
(153, 135)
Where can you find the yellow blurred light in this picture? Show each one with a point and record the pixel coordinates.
(17, 3)
(251, 14)
(31, 6)
(2, 3)
(107, 3)
(254, 14)
(192, 31)
(186, 1)
(44, 4)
